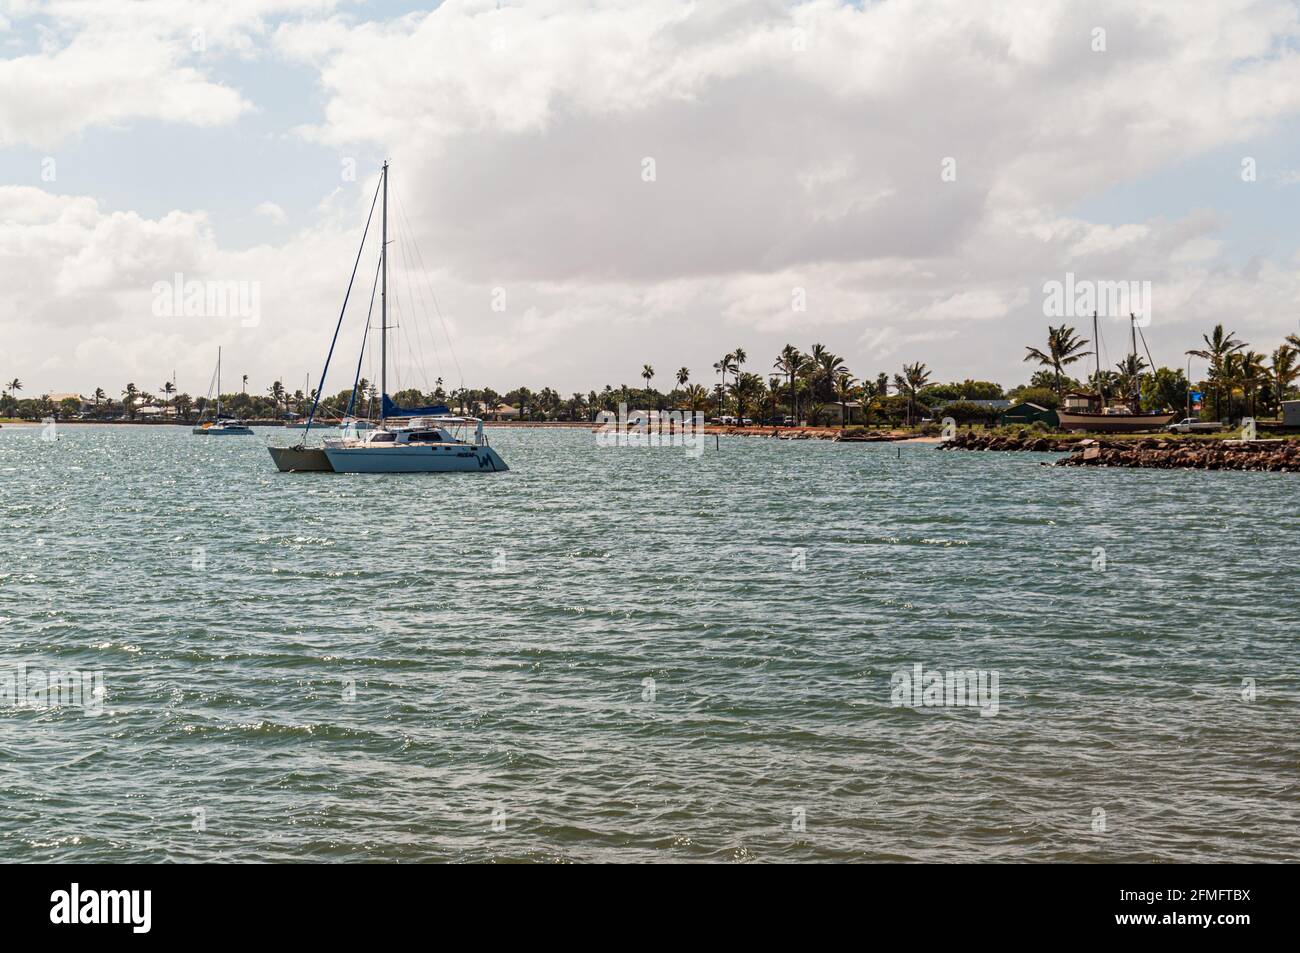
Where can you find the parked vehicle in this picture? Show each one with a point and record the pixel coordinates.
(1194, 425)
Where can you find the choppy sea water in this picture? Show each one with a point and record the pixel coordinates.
(636, 654)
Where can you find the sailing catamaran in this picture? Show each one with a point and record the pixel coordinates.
(218, 427)
(419, 440)
(1099, 414)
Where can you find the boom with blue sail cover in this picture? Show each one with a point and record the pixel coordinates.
(392, 410)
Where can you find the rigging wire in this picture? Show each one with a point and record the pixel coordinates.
(365, 336)
(342, 311)
(406, 261)
(416, 363)
(1150, 361)
(212, 384)
(406, 271)
(424, 272)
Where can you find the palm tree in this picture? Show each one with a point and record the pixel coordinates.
(14, 386)
(683, 376)
(575, 406)
(1284, 372)
(719, 400)
(739, 356)
(1253, 373)
(1063, 349)
(276, 390)
(130, 395)
(744, 387)
(789, 362)
(647, 373)
(244, 387)
(168, 388)
(550, 402)
(825, 367)
(725, 366)
(824, 360)
(99, 395)
(844, 384)
(1233, 379)
(524, 398)
(1128, 377)
(1218, 345)
(914, 377)
(774, 393)
(696, 397)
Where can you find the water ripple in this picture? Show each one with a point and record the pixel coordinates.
(634, 654)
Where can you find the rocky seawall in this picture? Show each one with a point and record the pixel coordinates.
(1027, 440)
(833, 434)
(1168, 453)
(1276, 456)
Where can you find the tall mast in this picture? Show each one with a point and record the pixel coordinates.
(218, 417)
(383, 302)
(1096, 358)
(1137, 383)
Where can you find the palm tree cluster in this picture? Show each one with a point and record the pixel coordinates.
(1063, 349)
(174, 404)
(801, 387)
(1240, 380)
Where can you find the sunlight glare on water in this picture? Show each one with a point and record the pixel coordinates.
(621, 653)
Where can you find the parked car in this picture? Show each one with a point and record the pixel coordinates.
(1194, 425)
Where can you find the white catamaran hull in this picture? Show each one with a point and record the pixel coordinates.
(415, 458)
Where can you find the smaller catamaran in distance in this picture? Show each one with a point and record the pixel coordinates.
(419, 440)
(218, 427)
(1100, 414)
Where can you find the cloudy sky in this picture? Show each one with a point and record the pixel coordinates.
(585, 187)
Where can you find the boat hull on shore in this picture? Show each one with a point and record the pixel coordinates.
(1114, 423)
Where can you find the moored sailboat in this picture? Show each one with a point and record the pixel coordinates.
(218, 427)
(420, 440)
